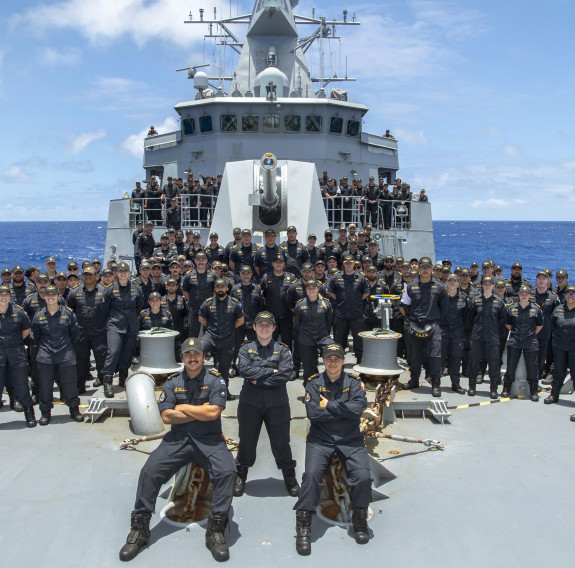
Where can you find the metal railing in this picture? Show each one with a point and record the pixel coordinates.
(192, 211)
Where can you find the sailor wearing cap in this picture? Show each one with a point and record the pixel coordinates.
(221, 315)
(263, 262)
(18, 288)
(237, 233)
(547, 302)
(14, 329)
(266, 366)
(488, 314)
(243, 253)
(423, 303)
(214, 251)
(329, 248)
(313, 316)
(524, 322)
(55, 333)
(192, 401)
(563, 325)
(145, 244)
(156, 315)
(165, 253)
(123, 301)
(295, 253)
(349, 288)
(335, 401)
(562, 279)
(86, 302)
(372, 195)
(198, 285)
(516, 280)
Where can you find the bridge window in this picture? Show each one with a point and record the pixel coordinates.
(229, 123)
(313, 123)
(353, 128)
(250, 123)
(206, 123)
(189, 126)
(292, 123)
(271, 123)
(336, 125)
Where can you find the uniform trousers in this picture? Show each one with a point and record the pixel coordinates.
(68, 383)
(121, 347)
(241, 333)
(318, 457)
(342, 328)
(86, 344)
(277, 420)
(513, 355)
(309, 356)
(168, 458)
(16, 379)
(452, 353)
(563, 359)
(483, 351)
(428, 349)
(284, 327)
(542, 342)
(194, 325)
(223, 355)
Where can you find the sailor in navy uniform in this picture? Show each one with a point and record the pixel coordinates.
(265, 365)
(335, 401)
(192, 402)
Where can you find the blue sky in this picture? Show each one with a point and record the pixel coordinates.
(479, 95)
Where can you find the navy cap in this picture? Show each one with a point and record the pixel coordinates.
(279, 257)
(172, 281)
(213, 235)
(124, 266)
(265, 316)
(291, 228)
(6, 271)
(60, 275)
(154, 295)
(488, 280)
(4, 289)
(524, 289)
(246, 268)
(516, 265)
(192, 344)
(333, 349)
(312, 282)
(307, 266)
(17, 268)
(220, 282)
(348, 258)
(425, 260)
(271, 232)
(200, 254)
(50, 259)
(51, 289)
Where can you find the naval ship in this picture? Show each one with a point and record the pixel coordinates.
(489, 485)
(271, 128)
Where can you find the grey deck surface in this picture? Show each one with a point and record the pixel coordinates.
(501, 494)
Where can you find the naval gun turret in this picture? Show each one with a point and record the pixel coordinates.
(270, 194)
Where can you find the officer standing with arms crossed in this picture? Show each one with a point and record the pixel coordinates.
(192, 402)
(221, 315)
(265, 366)
(335, 401)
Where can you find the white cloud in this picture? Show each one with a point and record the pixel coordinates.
(105, 21)
(82, 166)
(78, 143)
(67, 57)
(511, 150)
(134, 145)
(410, 136)
(497, 203)
(16, 174)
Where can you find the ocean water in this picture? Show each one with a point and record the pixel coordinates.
(536, 245)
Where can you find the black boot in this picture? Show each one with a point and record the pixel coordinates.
(82, 387)
(240, 484)
(76, 414)
(359, 521)
(108, 388)
(216, 539)
(97, 383)
(14, 404)
(137, 539)
(290, 480)
(45, 418)
(553, 396)
(456, 387)
(123, 375)
(29, 416)
(506, 388)
(533, 390)
(303, 532)
(493, 390)
(472, 385)
(411, 384)
(229, 395)
(435, 390)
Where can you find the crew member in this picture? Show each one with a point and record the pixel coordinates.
(55, 333)
(145, 244)
(197, 286)
(423, 302)
(547, 302)
(14, 329)
(86, 302)
(265, 366)
(524, 322)
(221, 315)
(296, 253)
(156, 315)
(335, 401)
(265, 256)
(123, 302)
(192, 401)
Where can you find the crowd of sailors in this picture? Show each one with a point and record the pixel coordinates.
(318, 293)
(179, 204)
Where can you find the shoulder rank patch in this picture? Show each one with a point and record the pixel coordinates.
(354, 376)
(69, 309)
(283, 344)
(313, 377)
(162, 396)
(172, 376)
(215, 373)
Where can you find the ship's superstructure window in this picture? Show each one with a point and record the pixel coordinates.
(271, 4)
(229, 123)
(189, 126)
(292, 123)
(271, 123)
(313, 123)
(336, 125)
(250, 123)
(206, 123)
(352, 128)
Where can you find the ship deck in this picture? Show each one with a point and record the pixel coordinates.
(499, 494)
